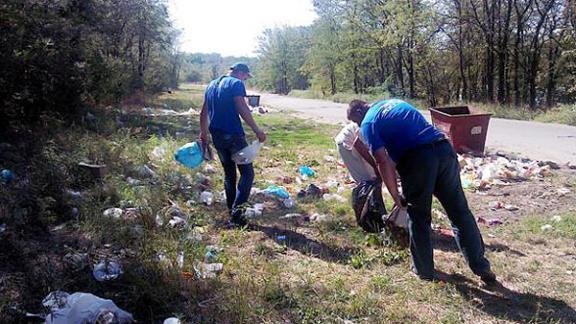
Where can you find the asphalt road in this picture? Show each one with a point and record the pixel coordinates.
(534, 140)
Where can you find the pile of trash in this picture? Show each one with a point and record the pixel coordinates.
(484, 172)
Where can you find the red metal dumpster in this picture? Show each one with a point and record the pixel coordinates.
(465, 126)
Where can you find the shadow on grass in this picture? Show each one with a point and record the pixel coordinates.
(506, 304)
(447, 243)
(307, 246)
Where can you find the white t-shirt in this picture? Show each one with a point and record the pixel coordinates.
(347, 136)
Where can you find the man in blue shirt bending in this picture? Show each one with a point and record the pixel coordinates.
(400, 139)
(223, 106)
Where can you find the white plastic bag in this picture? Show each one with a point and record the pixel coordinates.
(247, 154)
(83, 308)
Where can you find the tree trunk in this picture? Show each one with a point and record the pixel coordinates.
(399, 72)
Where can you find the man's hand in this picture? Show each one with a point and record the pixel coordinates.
(204, 137)
(261, 136)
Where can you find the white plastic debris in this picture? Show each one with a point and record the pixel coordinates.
(209, 169)
(159, 220)
(546, 228)
(247, 154)
(83, 308)
(207, 198)
(291, 215)
(180, 259)
(2, 228)
(113, 213)
(172, 320)
(557, 218)
(289, 202)
(107, 270)
(144, 171)
(208, 270)
(318, 217)
(331, 197)
(177, 222)
(563, 191)
(329, 158)
(511, 208)
(159, 153)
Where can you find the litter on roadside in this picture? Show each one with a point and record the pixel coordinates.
(83, 308)
(489, 222)
(557, 218)
(207, 198)
(306, 171)
(546, 228)
(190, 155)
(208, 270)
(172, 320)
(248, 154)
(312, 191)
(107, 270)
(291, 215)
(336, 197)
(113, 213)
(277, 191)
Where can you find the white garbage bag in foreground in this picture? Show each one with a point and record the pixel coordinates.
(83, 308)
(247, 154)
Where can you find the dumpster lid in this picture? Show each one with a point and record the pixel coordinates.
(459, 111)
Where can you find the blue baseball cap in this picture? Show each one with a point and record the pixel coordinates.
(241, 67)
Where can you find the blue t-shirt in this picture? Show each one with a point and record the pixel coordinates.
(219, 98)
(397, 126)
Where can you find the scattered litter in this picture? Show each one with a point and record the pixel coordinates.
(107, 270)
(247, 154)
(332, 183)
(553, 165)
(318, 218)
(208, 270)
(206, 197)
(96, 170)
(511, 208)
(496, 205)
(77, 261)
(147, 111)
(277, 191)
(291, 215)
(255, 211)
(73, 196)
(113, 213)
(159, 153)
(557, 218)
(312, 191)
(2, 228)
(201, 178)
(133, 182)
(286, 179)
(177, 222)
(306, 171)
(281, 238)
(144, 172)
(337, 197)
(172, 320)
(489, 222)
(329, 158)
(546, 228)
(563, 191)
(340, 190)
(209, 169)
(190, 155)
(83, 308)
(180, 259)
(289, 203)
(131, 213)
(159, 220)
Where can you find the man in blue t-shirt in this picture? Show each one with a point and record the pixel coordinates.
(400, 139)
(223, 106)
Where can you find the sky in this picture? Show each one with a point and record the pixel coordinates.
(231, 27)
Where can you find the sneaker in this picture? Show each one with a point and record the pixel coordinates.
(425, 278)
(488, 277)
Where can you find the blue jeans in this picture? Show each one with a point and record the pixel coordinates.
(433, 169)
(226, 145)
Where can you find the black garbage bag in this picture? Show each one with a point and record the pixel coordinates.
(369, 206)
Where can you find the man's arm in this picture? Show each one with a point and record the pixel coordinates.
(246, 115)
(387, 169)
(204, 123)
(363, 150)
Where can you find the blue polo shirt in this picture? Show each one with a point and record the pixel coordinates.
(397, 126)
(219, 98)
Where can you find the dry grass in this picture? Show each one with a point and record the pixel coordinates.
(329, 272)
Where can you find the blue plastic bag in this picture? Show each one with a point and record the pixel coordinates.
(189, 155)
(306, 171)
(277, 191)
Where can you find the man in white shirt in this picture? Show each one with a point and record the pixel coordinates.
(355, 155)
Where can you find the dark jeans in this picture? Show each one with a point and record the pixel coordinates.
(433, 169)
(226, 145)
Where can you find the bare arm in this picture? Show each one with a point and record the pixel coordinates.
(204, 123)
(387, 169)
(363, 150)
(246, 115)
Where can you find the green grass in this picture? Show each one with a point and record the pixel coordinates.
(326, 272)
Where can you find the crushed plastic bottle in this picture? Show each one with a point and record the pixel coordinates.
(248, 154)
(180, 259)
(83, 308)
(107, 270)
